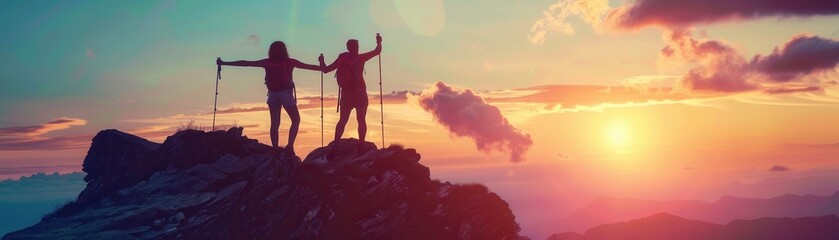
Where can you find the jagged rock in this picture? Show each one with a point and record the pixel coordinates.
(114, 150)
(222, 185)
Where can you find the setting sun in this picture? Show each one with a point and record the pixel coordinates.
(617, 134)
(420, 119)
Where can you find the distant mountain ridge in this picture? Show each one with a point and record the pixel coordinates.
(605, 210)
(663, 226)
(222, 185)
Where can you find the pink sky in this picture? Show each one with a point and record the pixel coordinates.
(549, 103)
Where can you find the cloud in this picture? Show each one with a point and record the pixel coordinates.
(779, 168)
(252, 40)
(718, 66)
(788, 90)
(42, 186)
(31, 137)
(465, 114)
(46, 143)
(567, 96)
(562, 156)
(35, 130)
(668, 14)
(686, 13)
(802, 55)
(25, 200)
(554, 19)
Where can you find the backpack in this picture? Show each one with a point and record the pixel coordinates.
(346, 73)
(277, 77)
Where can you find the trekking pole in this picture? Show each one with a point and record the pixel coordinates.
(215, 102)
(321, 106)
(381, 98)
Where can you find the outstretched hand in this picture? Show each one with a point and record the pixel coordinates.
(322, 63)
(378, 38)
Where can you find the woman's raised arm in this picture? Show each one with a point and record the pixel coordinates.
(242, 63)
(332, 66)
(298, 64)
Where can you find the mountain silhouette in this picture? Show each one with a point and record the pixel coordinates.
(663, 226)
(222, 185)
(728, 208)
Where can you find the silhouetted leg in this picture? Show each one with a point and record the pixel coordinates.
(342, 121)
(274, 110)
(294, 114)
(361, 116)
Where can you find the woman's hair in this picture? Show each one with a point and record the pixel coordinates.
(277, 52)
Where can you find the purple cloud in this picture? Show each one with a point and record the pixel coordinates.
(719, 67)
(779, 168)
(252, 40)
(803, 54)
(465, 114)
(685, 13)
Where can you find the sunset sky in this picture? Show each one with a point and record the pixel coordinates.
(549, 103)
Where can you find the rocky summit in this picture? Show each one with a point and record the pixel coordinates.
(223, 185)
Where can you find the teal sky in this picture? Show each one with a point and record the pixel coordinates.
(108, 60)
(145, 66)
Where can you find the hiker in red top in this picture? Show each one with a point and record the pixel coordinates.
(281, 94)
(353, 93)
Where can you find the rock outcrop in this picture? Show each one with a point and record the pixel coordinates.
(222, 185)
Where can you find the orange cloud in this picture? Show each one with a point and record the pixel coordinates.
(312, 102)
(590, 95)
(31, 137)
(788, 90)
(36, 130)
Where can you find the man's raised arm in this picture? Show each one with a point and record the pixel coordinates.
(368, 55)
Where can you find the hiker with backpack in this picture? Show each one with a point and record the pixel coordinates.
(281, 93)
(353, 89)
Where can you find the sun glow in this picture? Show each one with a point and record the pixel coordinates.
(618, 135)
